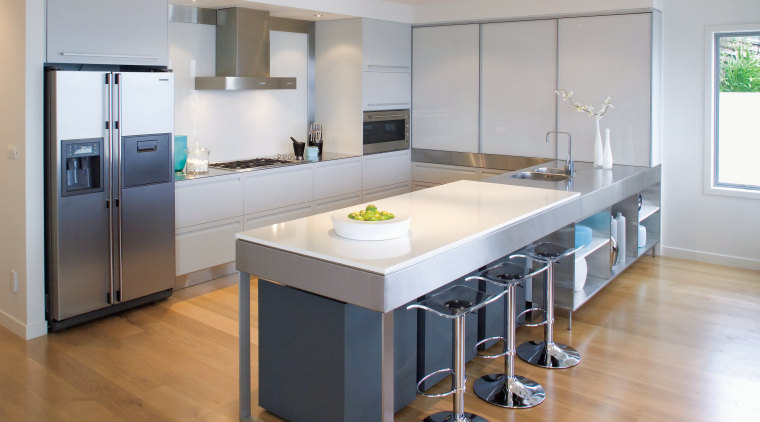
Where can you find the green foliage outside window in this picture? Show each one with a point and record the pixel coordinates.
(740, 68)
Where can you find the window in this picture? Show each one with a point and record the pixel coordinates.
(733, 111)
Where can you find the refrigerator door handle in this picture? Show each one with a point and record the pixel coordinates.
(119, 177)
(108, 152)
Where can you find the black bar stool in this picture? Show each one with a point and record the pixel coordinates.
(507, 389)
(454, 303)
(547, 353)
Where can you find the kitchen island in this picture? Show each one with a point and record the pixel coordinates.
(314, 284)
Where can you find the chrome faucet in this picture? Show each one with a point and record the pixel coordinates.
(569, 165)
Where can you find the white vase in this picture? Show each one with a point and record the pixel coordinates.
(598, 150)
(607, 161)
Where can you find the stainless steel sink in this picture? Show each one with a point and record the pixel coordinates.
(543, 173)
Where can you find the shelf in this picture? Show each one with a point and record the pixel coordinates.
(566, 298)
(596, 243)
(647, 210)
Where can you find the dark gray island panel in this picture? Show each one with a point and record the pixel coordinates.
(320, 359)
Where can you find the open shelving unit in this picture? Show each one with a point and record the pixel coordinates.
(600, 273)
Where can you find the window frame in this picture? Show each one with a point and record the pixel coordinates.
(712, 91)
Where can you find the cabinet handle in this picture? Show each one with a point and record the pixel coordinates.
(388, 104)
(116, 56)
(380, 66)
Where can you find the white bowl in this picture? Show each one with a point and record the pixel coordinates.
(581, 272)
(370, 230)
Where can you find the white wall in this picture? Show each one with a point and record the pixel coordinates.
(21, 213)
(238, 124)
(12, 132)
(695, 225)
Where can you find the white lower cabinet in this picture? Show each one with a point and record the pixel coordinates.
(209, 211)
(278, 215)
(277, 188)
(337, 202)
(385, 191)
(337, 177)
(206, 245)
(192, 199)
(389, 168)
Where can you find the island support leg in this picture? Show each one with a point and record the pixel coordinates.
(244, 336)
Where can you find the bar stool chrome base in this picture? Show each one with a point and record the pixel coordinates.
(516, 393)
(449, 417)
(548, 355)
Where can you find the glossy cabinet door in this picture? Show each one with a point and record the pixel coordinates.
(445, 87)
(134, 32)
(605, 56)
(192, 199)
(386, 46)
(518, 80)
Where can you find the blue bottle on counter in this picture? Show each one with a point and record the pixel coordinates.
(180, 152)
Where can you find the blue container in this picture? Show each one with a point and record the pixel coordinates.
(180, 152)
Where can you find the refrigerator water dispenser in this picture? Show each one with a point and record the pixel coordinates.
(81, 164)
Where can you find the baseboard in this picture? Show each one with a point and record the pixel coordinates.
(12, 324)
(22, 330)
(711, 258)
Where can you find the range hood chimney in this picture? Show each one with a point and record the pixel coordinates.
(242, 53)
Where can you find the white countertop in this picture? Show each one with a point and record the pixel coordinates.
(443, 217)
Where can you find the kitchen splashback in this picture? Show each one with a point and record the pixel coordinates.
(241, 124)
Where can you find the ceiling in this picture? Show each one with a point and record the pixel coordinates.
(274, 10)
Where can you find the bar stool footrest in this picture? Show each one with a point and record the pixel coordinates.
(538, 324)
(440, 371)
(475, 348)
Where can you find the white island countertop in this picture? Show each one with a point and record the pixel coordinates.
(442, 218)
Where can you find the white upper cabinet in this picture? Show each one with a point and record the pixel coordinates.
(611, 56)
(386, 46)
(131, 32)
(445, 88)
(518, 77)
(386, 65)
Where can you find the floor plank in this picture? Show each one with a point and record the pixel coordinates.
(668, 340)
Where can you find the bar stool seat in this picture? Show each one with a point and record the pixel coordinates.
(548, 353)
(507, 389)
(454, 303)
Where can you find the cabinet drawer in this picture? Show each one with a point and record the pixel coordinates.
(337, 202)
(278, 188)
(385, 169)
(339, 177)
(206, 245)
(279, 215)
(208, 199)
(385, 192)
(439, 174)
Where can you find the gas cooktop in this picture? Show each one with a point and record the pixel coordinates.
(241, 165)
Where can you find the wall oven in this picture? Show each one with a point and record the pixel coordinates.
(386, 130)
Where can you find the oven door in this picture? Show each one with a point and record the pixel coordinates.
(385, 131)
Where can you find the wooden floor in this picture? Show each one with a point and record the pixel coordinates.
(669, 340)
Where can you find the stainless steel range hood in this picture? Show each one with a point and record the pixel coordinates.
(242, 53)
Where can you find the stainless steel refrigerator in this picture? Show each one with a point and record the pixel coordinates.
(109, 205)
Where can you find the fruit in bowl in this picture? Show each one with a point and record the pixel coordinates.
(371, 213)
